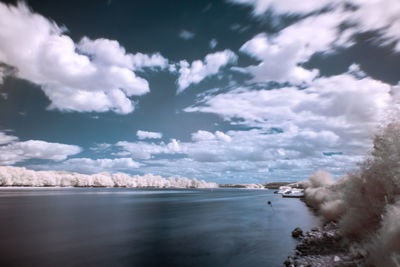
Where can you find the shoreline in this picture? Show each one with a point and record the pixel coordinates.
(270, 186)
(122, 187)
(326, 247)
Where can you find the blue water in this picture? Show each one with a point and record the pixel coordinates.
(131, 227)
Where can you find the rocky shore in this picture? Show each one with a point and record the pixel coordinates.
(324, 247)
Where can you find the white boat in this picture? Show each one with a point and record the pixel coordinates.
(293, 194)
(287, 191)
(283, 189)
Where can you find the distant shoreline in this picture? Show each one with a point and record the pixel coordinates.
(271, 185)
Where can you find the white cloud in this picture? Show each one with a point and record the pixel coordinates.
(288, 6)
(240, 154)
(93, 75)
(248, 171)
(223, 137)
(365, 16)
(110, 53)
(329, 121)
(258, 145)
(100, 147)
(382, 15)
(15, 151)
(156, 60)
(213, 43)
(105, 52)
(87, 165)
(199, 70)
(288, 155)
(143, 150)
(5, 138)
(280, 55)
(207, 136)
(186, 35)
(343, 99)
(336, 113)
(202, 135)
(148, 135)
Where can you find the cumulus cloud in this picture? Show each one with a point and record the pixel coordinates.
(15, 176)
(198, 70)
(341, 99)
(154, 61)
(250, 168)
(281, 55)
(285, 153)
(240, 152)
(364, 16)
(5, 138)
(186, 35)
(202, 135)
(18, 151)
(312, 121)
(87, 165)
(260, 145)
(208, 136)
(92, 75)
(110, 52)
(238, 155)
(224, 172)
(148, 135)
(143, 150)
(100, 147)
(235, 146)
(334, 114)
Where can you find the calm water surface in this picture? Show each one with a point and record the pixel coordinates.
(131, 227)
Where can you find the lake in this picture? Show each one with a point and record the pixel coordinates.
(138, 227)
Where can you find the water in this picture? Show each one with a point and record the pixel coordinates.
(133, 227)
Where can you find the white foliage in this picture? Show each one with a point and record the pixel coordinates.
(365, 202)
(19, 176)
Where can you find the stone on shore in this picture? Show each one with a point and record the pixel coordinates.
(324, 247)
(296, 233)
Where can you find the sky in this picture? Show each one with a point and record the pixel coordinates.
(230, 91)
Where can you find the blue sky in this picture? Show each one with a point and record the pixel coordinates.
(234, 91)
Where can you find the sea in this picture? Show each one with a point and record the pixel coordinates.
(148, 227)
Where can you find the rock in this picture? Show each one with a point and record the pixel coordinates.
(325, 246)
(287, 262)
(296, 233)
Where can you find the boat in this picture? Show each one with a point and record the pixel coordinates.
(290, 192)
(293, 194)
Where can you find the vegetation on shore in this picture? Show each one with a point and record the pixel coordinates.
(365, 204)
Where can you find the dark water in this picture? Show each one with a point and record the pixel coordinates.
(127, 227)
